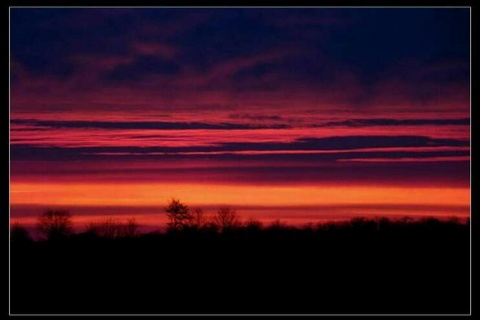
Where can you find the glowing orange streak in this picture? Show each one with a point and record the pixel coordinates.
(143, 194)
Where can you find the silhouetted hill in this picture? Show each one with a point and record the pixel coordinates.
(363, 266)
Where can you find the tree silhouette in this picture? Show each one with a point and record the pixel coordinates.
(178, 215)
(55, 224)
(226, 218)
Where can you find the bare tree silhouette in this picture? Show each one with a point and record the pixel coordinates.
(226, 218)
(178, 215)
(55, 224)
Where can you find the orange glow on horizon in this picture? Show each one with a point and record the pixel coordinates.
(148, 194)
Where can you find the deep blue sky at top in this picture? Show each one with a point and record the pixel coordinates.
(366, 41)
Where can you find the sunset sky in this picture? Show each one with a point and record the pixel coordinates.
(293, 114)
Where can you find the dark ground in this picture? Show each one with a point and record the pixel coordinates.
(360, 267)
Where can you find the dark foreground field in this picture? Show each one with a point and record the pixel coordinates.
(359, 267)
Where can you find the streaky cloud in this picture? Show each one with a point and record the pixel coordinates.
(143, 125)
(260, 117)
(395, 122)
(25, 151)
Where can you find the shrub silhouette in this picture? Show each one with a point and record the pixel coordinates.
(226, 218)
(19, 234)
(131, 228)
(277, 225)
(198, 219)
(253, 224)
(308, 227)
(210, 226)
(178, 215)
(55, 224)
(112, 228)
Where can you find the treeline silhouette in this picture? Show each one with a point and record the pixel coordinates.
(220, 264)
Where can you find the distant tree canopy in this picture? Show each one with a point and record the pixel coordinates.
(55, 224)
(179, 216)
